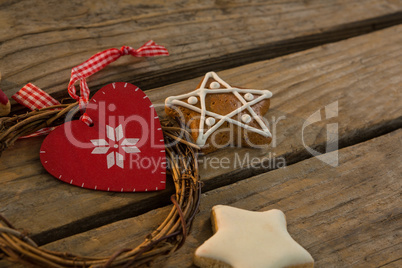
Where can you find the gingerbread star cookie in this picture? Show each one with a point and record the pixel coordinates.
(219, 115)
(251, 239)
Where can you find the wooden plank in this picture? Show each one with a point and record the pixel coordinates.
(42, 49)
(363, 74)
(360, 74)
(344, 216)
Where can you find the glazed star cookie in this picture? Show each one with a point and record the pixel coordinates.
(219, 115)
(251, 239)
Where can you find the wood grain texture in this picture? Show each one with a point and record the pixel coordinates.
(362, 74)
(40, 41)
(345, 216)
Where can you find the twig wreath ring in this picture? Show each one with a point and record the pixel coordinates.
(181, 161)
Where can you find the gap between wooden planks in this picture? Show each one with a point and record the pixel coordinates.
(362, 74)
(345, 216)
(42, 49)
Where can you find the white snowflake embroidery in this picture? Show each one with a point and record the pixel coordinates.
(115, 136)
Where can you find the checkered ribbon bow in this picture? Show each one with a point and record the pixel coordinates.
(34, 98)
(100, 60)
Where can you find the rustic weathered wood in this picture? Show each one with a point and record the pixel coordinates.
(344, 216)
(42, 41)
(362, 74)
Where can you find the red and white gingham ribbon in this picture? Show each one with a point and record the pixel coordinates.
(100, 60)
(34, 98)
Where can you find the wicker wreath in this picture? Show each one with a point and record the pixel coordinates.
(168, 237)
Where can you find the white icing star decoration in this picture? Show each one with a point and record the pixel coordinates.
(251, 239)
(239, 107)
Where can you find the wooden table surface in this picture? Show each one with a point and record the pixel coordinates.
(312, 55)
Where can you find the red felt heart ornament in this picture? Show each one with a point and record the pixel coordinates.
(123, 151)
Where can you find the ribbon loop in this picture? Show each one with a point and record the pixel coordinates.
(82, 103)
(34, 98)
(100, 60)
